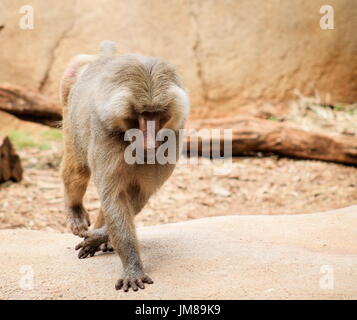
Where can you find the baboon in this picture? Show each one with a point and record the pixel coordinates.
(103, 96)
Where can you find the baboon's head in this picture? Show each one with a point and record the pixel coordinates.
(138, 92)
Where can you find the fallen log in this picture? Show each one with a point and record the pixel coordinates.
(29, 104)
(249, 135)
(253, 135)
(10, 163)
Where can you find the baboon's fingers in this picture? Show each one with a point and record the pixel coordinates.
(147, 279)
(133, 285)
(86, 251)
(126, 285)
(82, 254)
(79, 245)
(140, 284)
(84, 235)
(119, 284)
(132, 282)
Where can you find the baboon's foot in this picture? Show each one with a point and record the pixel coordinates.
(79, 221)
(133, 281)
(106, 247)
(79, 226)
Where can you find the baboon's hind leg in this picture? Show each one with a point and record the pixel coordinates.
(75, 178)
(97, 239)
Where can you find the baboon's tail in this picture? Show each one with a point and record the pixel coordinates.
(108, 48)
(77, 65)
(74, 68)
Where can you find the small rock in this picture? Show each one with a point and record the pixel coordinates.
(220, 191)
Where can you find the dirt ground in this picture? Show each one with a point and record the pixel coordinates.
(266, 185)
(254, 185)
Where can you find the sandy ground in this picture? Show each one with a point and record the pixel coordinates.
(311, 256)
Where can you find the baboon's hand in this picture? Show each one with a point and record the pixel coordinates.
(90, 245)
(134, 281)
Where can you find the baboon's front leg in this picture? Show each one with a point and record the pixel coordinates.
(75, 179)
(119, 215)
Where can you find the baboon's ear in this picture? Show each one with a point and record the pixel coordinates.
(69, 76)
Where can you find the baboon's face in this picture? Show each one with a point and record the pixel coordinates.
(143, 95)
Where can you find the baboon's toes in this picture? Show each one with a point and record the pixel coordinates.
(133, 282)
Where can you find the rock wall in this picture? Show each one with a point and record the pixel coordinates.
(234, 56)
